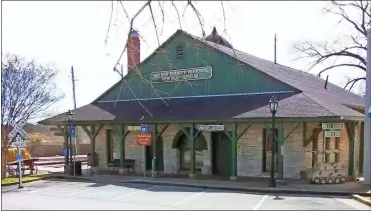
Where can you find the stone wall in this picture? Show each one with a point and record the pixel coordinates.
(296, 158)
(249, 151)
(132, 151)
(171, 156)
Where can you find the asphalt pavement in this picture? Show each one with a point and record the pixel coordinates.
(59, 194)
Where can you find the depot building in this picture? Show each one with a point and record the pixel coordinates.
(204, 110)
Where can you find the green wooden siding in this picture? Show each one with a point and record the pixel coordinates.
(228, 77)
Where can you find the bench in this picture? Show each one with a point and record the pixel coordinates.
(128, 164)
(27, 164)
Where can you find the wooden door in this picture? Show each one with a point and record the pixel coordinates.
(159, 154)
(267, 152)
(221, 154)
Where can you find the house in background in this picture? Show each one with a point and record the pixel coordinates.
(189, 81)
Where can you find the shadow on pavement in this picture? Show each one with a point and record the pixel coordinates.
(177, 188)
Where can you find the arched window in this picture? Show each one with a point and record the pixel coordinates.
(182, 143)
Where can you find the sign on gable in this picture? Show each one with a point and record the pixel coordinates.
(190, 74)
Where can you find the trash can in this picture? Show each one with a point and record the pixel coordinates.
(78, 168)
(75, 168)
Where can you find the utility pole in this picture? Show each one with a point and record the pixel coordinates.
(367, 129)
(275, 48)
(74, 107)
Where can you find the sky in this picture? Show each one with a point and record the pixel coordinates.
(73, 33)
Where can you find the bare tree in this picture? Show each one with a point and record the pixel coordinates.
(27, 91)
(347, 51)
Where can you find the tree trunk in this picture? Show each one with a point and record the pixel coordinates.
(4, 146)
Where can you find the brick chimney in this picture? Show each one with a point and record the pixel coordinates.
(133, 49)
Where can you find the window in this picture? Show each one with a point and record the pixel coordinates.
(184, 146)
(180, 51)
(113, 148)
(185, 153)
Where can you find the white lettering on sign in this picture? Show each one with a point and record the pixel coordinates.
(331, 134)
(332, 126)
(190, 74)
(210, 128)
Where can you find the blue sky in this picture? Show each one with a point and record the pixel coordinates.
(69, 33)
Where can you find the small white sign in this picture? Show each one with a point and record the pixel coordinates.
(210, 128)
(332, 126)
(133, 128)
(20, 144)
(332, 134)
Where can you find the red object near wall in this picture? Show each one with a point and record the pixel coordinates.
(144, 139)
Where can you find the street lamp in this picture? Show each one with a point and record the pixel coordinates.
(273, 105)
(69, 115)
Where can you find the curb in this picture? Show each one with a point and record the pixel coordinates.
(256, 190)
(68, 177)
(251, 190)
(361, 199)
(16, 183)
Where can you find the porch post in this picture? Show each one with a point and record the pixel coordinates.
(280, 142)
(154, 148)
(122, 136)
(92, 134)
(193, 151)
(352, 134)
(92, 144)
(234, 153)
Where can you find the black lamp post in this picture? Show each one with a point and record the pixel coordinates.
(273, 105)
(69, 115)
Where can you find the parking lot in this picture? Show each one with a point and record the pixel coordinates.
(58, 195)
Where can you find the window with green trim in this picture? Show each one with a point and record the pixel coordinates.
(184, 146)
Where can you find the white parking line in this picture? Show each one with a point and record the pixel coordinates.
(260, 202)
(189, 198)
(129, 194)
(47, 188)
(79, 192)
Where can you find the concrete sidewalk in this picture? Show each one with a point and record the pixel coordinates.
(298, 187)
